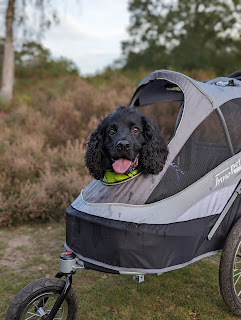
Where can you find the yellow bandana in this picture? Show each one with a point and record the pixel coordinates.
(113, 177)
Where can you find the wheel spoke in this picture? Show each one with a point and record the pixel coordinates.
(41, 306)
(238, 260)
(237, 272)
(239, 275)
(32, 315)
(61, 316)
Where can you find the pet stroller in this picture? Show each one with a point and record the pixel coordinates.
(151, 224)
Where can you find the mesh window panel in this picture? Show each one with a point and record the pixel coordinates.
(232, 113)
(203, 151)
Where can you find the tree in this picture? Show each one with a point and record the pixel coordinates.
(8, 56)
(12, 18)
(185, 34)
(33, 60)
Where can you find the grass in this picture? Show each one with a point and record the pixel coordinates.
(30, 252)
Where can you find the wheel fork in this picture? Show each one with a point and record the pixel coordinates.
(67, 267)
(62, 296)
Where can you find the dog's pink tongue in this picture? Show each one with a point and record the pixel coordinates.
(121, 165)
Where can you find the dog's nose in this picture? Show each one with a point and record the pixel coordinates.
(123, 145)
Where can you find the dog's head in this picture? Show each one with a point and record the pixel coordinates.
(124, 140)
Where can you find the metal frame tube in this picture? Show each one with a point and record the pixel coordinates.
(62, 296)
(225, 129)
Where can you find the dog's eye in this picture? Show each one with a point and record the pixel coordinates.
(111, 132)
(135, 130)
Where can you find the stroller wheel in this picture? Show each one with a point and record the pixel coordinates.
(230, 270)
(36, 300)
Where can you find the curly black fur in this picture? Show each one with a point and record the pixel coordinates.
(148, 143)
(154, 151)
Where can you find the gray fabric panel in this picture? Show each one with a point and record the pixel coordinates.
(126, 271)
(196, 108)
(221, 94)
(228, 174)
(209, 205)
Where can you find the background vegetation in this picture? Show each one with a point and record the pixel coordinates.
(44, 131)
(184, 34)
(42, 142)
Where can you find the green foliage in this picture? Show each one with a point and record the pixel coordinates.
(33, 60)
(184, 34)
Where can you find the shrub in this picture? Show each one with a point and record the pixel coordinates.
(42, 142)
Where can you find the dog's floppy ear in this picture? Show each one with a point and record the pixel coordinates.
(95, 154)
(155, 151)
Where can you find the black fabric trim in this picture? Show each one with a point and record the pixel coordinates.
(92, 266)
(145, 246)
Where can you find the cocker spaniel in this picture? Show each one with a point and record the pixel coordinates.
(123, 141)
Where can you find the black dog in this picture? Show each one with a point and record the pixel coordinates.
(124, 140)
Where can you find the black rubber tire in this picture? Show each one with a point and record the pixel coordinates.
(227, 269)
(26, 296)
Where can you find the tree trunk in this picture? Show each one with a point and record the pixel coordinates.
(8, 58)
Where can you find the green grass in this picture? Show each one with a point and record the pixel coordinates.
(31, 252)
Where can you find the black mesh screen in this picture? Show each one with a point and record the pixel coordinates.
(232, 113)
(203, 151)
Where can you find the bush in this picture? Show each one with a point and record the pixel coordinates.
(42, 141)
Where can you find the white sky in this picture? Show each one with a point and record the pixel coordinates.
(90, 32)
